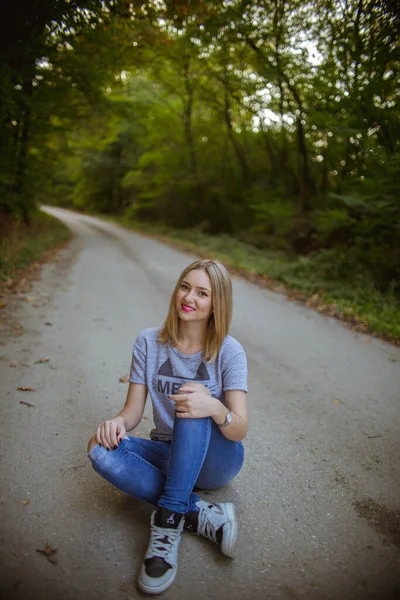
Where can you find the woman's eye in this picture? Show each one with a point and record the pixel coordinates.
(203, 294)
(184, 286)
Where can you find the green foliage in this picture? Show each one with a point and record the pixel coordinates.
(328, 273)
(274, 219)
(367, 227)
(218, 118)
(330, 222)
(41, 78)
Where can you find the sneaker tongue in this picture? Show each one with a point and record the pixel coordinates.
(167, 518)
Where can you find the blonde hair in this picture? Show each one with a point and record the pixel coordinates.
(220, 318)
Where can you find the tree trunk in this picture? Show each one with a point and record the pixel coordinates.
(21, 150)
(20, 170)
(187, 114)
(307, 185)
(187, 122)
(272, 157)
(236, 146)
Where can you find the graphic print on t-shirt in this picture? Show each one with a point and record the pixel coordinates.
(166, 382)
(167, 370)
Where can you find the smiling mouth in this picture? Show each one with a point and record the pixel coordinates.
(187, 308)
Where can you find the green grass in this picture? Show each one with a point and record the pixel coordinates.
(21, 245)
(324, 277)
(321, 277)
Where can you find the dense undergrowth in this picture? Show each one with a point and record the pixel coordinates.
(323, 279)
(21, 244)
(326, 280)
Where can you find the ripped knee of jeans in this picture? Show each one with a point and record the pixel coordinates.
(98, 455)
(105, 462)
(91, 453)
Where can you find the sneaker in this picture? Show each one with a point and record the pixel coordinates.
(217, 522)
(159, 568)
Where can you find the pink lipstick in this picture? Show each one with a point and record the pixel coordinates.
(186, 308)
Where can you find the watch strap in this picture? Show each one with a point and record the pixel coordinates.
(228, 419)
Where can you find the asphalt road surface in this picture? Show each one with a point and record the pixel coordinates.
(318, 497)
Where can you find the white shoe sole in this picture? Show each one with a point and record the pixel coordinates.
(229, 538)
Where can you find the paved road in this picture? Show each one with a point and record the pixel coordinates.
(318, 499)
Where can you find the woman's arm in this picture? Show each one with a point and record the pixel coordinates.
(236, 402)
(133, 410)
(195, 401)
(111, 432)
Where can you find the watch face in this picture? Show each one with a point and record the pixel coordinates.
(229, 417)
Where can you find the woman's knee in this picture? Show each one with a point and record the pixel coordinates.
(105, 462)
(99, 457)
(92, 443)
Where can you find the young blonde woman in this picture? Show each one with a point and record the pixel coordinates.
(196, 375)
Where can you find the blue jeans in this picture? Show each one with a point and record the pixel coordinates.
(165, 473)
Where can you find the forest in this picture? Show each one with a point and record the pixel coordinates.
(272, 123)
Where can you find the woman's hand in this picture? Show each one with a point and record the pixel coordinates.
(194, 386)
(195, 404)
(110, 433)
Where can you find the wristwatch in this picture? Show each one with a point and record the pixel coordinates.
(228, 419)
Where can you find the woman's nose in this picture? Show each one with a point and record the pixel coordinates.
(190, 296)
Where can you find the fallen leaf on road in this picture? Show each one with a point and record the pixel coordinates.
(27, 404)
(147, 418)
(48, 323)
(14, 363)
(48, 551)
(2, 304)
(336, 401)
(31, 298)
(366, 341)
(26, 388)
(25, 502)
(80, 380)
(124, 379)
(41, 360)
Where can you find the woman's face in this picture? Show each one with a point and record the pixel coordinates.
(194, 298)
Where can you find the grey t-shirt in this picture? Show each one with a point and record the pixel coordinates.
(164, 369)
